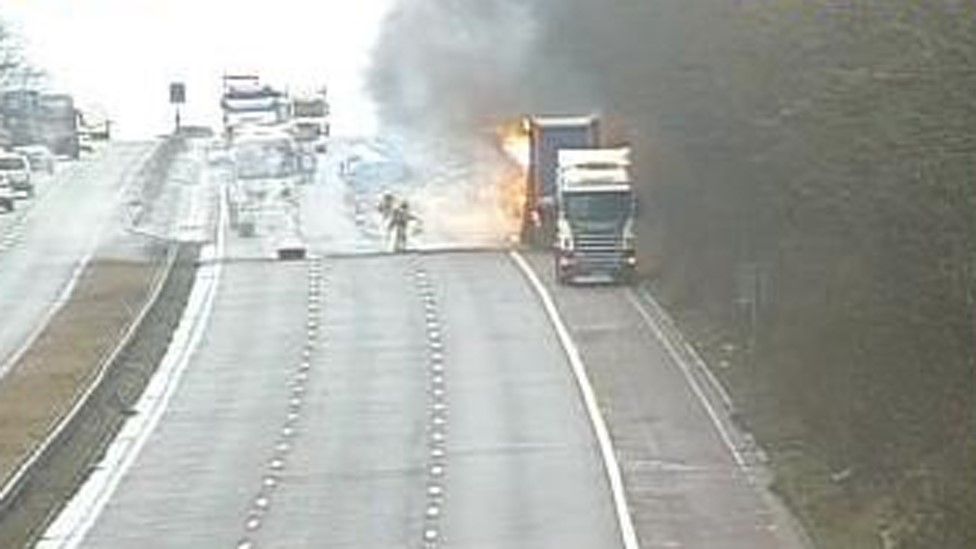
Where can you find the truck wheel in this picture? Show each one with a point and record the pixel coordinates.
(562, 276)
(291, 254)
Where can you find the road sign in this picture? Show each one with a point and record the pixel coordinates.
(177, 93)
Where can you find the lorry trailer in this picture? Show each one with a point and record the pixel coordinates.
(547, 136)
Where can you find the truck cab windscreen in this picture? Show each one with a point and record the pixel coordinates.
(309, 109)
(597, 207)
(11, 164)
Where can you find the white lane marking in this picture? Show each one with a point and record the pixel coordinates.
(610, 464)
(436, 463)
(689, 349)
(79, 402)
(76, 520)
(696, 388)
(69, 285)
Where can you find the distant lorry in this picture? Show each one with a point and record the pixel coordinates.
(596, 210)
(241, 84)
(310, 120)
(246, 102)
(20, 120)
(94, 126)
(547, 136)
(34, 118)
(266, 161)
(58, 119)
(267, 167)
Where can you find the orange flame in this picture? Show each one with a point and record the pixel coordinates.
(513, 141)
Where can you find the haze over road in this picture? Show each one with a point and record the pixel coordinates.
(47, 239)
(307, 44)
(376, 400)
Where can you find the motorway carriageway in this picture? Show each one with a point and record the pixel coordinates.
(47, 240)
(418, 400)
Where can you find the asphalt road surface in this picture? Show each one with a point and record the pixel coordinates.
(318, 421)
(686, 488)
(365, 399)
(49, 237)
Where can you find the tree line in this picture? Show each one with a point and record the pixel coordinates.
(808, 211)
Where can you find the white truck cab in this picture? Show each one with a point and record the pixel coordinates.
(596, 213)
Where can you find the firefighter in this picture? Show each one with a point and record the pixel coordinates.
(400, 219)
(386, 206)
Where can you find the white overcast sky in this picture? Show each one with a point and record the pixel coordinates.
(122, 54)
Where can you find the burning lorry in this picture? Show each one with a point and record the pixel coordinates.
(547, 136)
(579, 199)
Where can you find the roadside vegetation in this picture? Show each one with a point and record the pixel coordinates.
(809, 211)
(15, 70)
(813, 183)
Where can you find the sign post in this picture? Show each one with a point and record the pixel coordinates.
(177, 97)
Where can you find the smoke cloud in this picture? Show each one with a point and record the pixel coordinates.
(446, 75)
(657, 72)
(460, 67)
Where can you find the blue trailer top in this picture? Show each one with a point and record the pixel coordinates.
(550, 134)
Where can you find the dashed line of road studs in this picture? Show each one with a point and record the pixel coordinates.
(297, 383)
(13, 235)
(437, 420)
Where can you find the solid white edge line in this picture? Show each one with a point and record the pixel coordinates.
(689, 348)
(798, 528)
(80, 521)
(79, 400)
(82, 398)
(610, 463)
(690, 379)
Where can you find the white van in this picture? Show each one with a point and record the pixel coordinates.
(16, 170)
